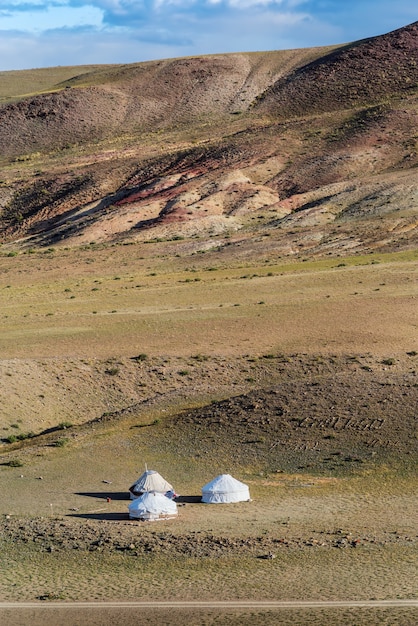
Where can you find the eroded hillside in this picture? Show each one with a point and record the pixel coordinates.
(315, 148)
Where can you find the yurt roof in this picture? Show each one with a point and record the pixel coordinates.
(151, 480)
(224, 483)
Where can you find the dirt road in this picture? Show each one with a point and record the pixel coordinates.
(215, 604)
(211, 613)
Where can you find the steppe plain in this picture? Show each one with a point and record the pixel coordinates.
(204, 273)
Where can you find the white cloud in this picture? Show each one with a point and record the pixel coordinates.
(245, 4)
(43, 19)
(28, 3)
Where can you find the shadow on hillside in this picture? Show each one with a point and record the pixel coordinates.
(104, 495)
(188, 499)
(109, 517)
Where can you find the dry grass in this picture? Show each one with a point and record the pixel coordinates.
(70, 317)
(17, 84)
(84, 304)
(288, 308)
(70, 486)
(331, 575)
(378, 507)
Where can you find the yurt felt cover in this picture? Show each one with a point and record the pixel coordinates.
(150, 480)
(152, 505)
(223, 489)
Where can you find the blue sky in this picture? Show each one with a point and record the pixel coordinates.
(46, 33)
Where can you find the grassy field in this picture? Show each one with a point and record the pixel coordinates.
(21, 83)
(311, 523)
(129, 299)
(204, 328)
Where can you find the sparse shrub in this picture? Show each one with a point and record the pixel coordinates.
(388, 361)
(183, 372)
(64, 425)
(60, 443)
(112, 371)
(15, 463)
(51, 596)
(200, 357)
(140, 357)
(11, 439)
(23, 436)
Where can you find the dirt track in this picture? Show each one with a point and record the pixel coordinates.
(214, 604)
(342, 613)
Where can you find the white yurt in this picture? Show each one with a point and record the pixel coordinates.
(224, 489)
(151, 480)
(152, 506)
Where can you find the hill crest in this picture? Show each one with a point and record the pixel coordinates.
(228, 149)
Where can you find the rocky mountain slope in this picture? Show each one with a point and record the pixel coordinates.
(314, 149)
